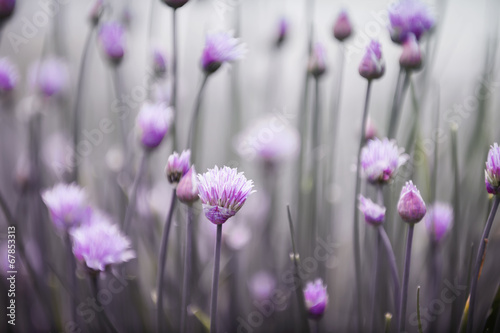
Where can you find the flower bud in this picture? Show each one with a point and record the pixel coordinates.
(282, 32)
(159, 63)
(439, 221)
(7, 8)
(411, 58)
(153, 122)
(112, 38)
(342, 28)
(9, 75)
(372, 65)
(370, 130)
(374, 214)
(316, 299)
(187, 190)
(411, 206)
(177, 166)
(492, 171)
(96, 12)
(317, 61)
(175, 3)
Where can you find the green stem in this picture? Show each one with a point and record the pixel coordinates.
(175, 77)
(215, 281)
(133, 195)
(418, 311)
(95, 292)
(194, 125)
(187, 269)
(396, 108)
(406, 276)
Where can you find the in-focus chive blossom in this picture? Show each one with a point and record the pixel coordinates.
(7, 8)
(411, 206)
(492, 171)
(100, 244)
(342, 28)
(411, 58)
(112, 40)
(381, 159)
(153, 122)
(316, 299)
(283, 30)
(68, 205)
(372, 65)
(175, 3)
(409, 17)
(374, 214)
(49, 77)
(439, 220)
(317, 61)
(220, 48)
(223, 192)
(9, 75)
(177, 166)
(187, 189)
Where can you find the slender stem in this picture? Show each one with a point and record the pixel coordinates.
(72, 275)
(95, 290)
(406, 275)
(356, 243)
(478, 264)
(393, 266)
(187, 269)
(375, 282)
(193, 126)
(396, 108)
(418, 311)
(316, 167)
(395, 100)
(77, 116)
(162, 261)
(133, 195)
(175, 77)
(215, 281)
(117, 83)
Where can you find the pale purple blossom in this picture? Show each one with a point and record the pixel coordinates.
(262, 285)
(411, 57)
(112, 39)
(153, 122)
(409, 17)
(316, 298)
(374, 214)
(492, 171)
(50, 76)
(9, 75)
(220, 48)
(411, 206)
(439, 220)
(223, 192)
(342, 28)
(68, 205)
(187, 189)
(100, 244)
(283, 29)
(317, 60)
(159, 62)
(381, 159)
(372, 65)
(177, 166)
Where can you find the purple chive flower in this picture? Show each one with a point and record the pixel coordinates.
(283, 28)
(49, 76)
(67, 204)
(317, 61)
(381, 159)
(409, 17)
(411, 58)
(439, 220)
(175, 3)
(8, 75)
(262, 285)
(177, 166)
(100, 244)
(374, 214)
(220, 48)
(7, 8)
(159, 62)
(112, 39)
(492, 172)
(372, 65)
(223, 192)
(187, 190)
(342, 28)
(153, 122)
(316, 298)
(411, 206)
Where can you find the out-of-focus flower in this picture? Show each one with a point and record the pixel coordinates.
(153, 122)
(381, 159)
(316, 298)
(67, 204)
(372, 65)
(56, 154)
(283, 28)
(492, 171)
(9, 75)
(370, 130)
(159, 62)
(112, 39)
(220, 48)
(236, 235)
(270, 140)
(342, 28)
(439, 220)
(317, 60)
(100, 244)
(7, 8)
(177, 166)
(96, 12)
(49, 76)
(175, 3)
(187, 190)
(411, 206)
(374, 214)
(223, 192)
(411, 58)
(409, 17)
(262, 285)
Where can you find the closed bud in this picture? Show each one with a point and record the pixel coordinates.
(411, 206)
(187, 190)
(411, 58)
(342, 28)
(372, 65)
(175, 3)
(317, 61)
